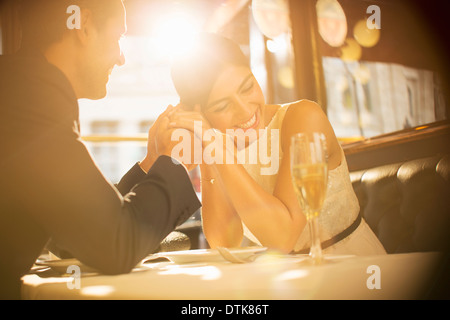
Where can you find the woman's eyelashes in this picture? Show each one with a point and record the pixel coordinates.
(247, 88)
(221, 107)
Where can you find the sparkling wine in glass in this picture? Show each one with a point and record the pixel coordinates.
(309, 170)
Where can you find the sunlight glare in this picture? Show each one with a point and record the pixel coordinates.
(98, 291)
(175, 34)
(204, 272)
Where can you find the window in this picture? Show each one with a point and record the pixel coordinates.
(379, 78)
(368, 98)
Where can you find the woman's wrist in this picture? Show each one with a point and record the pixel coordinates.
(208, 174)
(209, 181)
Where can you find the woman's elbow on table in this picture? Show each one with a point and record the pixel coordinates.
(283, 243)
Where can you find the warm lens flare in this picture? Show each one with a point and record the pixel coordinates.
(366, 37)
(175, 34)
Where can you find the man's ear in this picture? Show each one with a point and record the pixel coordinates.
(85, 32)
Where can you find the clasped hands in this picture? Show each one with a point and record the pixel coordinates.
(192, 122)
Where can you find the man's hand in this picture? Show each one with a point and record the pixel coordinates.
(160, 142)
(152, 149)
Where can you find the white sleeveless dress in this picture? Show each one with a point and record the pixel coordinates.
(340, 208)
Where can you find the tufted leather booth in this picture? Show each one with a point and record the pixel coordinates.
(407, 204)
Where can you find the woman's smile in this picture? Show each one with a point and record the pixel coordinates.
(252, 123)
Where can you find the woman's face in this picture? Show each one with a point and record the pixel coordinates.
(236, 101)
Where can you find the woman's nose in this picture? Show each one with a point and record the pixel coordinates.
(241, 108)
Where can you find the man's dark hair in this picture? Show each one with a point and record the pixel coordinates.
(43, 22)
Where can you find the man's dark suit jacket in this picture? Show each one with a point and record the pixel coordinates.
(51, 188)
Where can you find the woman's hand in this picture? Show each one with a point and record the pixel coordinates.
(192, 120)
(196, 126)
(216, 146)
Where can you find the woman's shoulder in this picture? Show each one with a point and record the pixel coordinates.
(289, 113)
(302, 107)
(296, 116)
(303, 115)
(308, 116)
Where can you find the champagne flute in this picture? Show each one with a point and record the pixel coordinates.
(309, 169)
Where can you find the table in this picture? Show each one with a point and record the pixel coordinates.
(393, 276)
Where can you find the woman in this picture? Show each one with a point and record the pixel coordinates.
(218, 90)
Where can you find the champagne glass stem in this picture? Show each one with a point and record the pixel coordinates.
(316, 248)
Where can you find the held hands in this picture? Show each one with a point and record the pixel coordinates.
(160, 142)
(206, 142)
(187, 126)
(191, 120)
(178, 132)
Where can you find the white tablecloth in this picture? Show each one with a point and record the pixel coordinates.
(398, 276)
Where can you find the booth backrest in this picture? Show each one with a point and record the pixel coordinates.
(407, 204)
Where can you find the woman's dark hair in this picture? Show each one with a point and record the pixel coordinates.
(194, 75)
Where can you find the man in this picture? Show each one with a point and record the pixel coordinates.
(50, 187)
